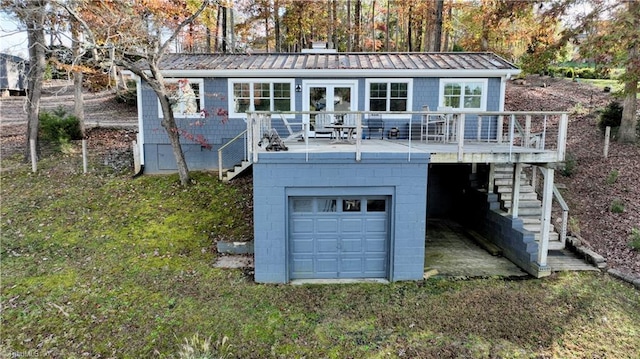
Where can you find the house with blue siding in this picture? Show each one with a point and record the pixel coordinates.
(351, 153)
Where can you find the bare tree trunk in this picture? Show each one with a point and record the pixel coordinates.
(35, 34)
(410, 29)
(276, 26)
(386, 35)
(627, 132)
(357, 25)
(334, 33)
(349, 35)
(437, 43)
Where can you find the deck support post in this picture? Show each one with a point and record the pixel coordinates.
(491, 187)
(545, 217)
(515, 191)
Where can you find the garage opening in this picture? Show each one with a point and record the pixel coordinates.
(339, 237)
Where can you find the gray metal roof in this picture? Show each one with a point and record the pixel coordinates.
(337, 61)
(337, 64)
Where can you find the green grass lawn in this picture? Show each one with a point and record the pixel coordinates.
(102, 265)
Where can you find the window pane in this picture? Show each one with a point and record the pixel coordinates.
(241, 90)
(473, 88)
(242, 105)
(376, 205)
(282, 104)
(398, 105)
(378, 90)
(378, 104)
(262, 104)
(281, 90)
(452, 89)
(452, 102)
(399, 90)
(351, 205)
(326, 205)
(302, 205)
(472, 102)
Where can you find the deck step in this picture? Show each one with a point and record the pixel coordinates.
(527, 196)
(237, 170)
(524, 204)
(509, 189)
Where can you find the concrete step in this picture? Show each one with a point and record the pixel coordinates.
(527, 196)
(555, 245)
(536, 227)
(529, 211)
(509, 181)
(524, 204)
(508, 175)
(508, 189)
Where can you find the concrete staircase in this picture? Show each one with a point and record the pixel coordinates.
(235, 171)
(530, 208)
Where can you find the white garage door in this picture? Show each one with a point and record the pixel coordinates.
(339, 237)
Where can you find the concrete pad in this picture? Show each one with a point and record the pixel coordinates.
(453, 254)
(234, 261)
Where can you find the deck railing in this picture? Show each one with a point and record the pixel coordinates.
(541, 131)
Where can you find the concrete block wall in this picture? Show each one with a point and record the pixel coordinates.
(517, 244)
(278, 176)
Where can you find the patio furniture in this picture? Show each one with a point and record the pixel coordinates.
(375, 123)
(323, 124)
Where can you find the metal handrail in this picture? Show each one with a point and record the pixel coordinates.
(240, 135)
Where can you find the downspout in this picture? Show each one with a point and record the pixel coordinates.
(503, 90)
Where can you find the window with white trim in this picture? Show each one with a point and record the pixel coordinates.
(185, 96)
(464, 94)
(386, 95)
(260, 95)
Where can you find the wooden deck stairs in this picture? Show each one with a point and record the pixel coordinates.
(530, 208)
(236, 171)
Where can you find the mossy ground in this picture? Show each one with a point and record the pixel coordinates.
(102, 265)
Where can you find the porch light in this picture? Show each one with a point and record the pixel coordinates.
(298, 88)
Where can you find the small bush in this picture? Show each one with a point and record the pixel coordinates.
(570, 164)
(58, 127)
(634, 239)
(613, 177)
(128, 95)
(203, 348)
(617, 206)
(611, 116)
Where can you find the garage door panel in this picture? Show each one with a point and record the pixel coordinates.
(300, 246)
(353, 245)
(302, 225)
(327, 225)
(301, 266)
(351, 225)
(327, 245)
(374, 263)
(376, 245)
(326, 265)
(352, 265)
(373, 225)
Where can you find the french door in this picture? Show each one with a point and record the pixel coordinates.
(327, 96)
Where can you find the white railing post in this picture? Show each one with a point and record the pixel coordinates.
(359, 136)
(515, 190)
(479, 129)
(500, 129)
(562, 136)
(527, 131)
(512, 127)
(460, 136)
(545, 217)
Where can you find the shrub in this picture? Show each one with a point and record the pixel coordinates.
(613, 177)
(58, 127)
(611, 116)
(203, 348)
(129, 95)
(617, 206)
(570, 164)
(634, 239)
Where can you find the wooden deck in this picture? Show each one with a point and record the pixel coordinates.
(565, 260)
(471, 151)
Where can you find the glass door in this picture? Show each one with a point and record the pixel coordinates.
(328, 96)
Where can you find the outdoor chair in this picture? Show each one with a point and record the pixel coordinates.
(375, 123)
(323, 124)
